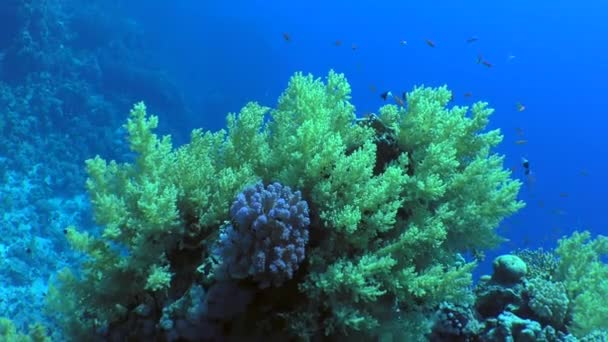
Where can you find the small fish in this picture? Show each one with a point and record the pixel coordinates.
(404, 96)
(372, 88)
(482, 61)
(510, 58)
(354, 47)
(403, 42)
(520, 107)
(286, 37)
(399, 101)
(541, 204)
(385, 95)
(338, 43)
(519, 131)
(430, 43)
(526, 165)
(563, 194)
(584, 173)
(468, 94)
(472, 39)
(521, 142)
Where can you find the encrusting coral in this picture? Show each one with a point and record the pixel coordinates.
(393, 199)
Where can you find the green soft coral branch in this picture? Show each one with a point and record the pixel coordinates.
(360, 281)
(352, 289)
(360, 204)
(247, 139)
(583, 272)
(434, 284)
(312, 127)
(453, 193)
(206, 184)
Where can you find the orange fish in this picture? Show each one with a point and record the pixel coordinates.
(520, 107)
(286, 37)
(521, 142)
(430, 43)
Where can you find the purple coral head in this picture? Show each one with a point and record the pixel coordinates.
(267, 237)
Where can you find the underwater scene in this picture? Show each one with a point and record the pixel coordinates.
(303, 170)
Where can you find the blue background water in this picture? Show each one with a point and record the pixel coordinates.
(227, 54)
(211, 58)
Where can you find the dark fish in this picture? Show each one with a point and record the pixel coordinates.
(385, 95)
(286, 37)
(430, 43)
(472, 39)
(526, 165)
(482, 61)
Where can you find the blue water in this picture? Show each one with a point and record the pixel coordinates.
(63, 99)
(546, 56)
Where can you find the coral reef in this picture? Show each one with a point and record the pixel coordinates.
(536, 306)
(382, 207)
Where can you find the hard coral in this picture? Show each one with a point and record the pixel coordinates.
(267, 237)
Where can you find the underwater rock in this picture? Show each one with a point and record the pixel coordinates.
(509, 327)
(508, 269)
(226, 300)
(454, 323)
(492, 298)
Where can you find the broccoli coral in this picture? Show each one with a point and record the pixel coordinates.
(268, 235)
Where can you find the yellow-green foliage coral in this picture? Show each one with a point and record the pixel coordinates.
(394, 199)
(446, 192)
(147, 209)
(584, 275)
